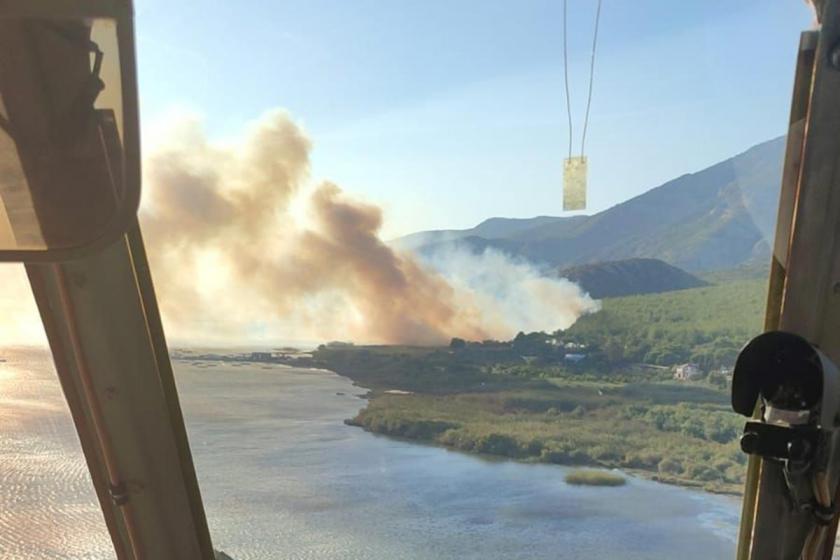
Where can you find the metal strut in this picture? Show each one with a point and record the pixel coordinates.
(804, 298)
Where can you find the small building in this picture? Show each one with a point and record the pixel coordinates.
(574, 358)
(687, 372)
(261, 356)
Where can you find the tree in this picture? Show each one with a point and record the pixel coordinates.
(457, 343)
(614, 351)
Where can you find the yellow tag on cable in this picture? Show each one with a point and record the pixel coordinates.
(574, 183)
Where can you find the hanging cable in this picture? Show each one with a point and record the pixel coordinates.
(566, 75)
(591, 75)
(566, 72)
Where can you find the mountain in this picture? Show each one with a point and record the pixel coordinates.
(491, 228)
(630, 277)
(718, 218)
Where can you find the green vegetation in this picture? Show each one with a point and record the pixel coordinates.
(691, 442)
(617, 408)
(586, 477)
(630, 276)
(706, 326)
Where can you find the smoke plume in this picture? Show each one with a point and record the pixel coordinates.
(243, 247)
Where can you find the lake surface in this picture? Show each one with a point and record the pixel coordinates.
(283, 478)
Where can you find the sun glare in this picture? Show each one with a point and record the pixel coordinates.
(20, 323)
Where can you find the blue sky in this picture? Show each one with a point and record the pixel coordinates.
(449, 112)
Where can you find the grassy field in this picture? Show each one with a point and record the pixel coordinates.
(609, 412)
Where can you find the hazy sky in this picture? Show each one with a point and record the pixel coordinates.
(448, 112)
(445, 113)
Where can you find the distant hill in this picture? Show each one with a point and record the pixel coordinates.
(629, 277)
(719, 218)
(489, 229)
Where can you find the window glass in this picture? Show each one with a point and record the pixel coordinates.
(389, 338)
(386, 198)
(61, 113)
(48, 508)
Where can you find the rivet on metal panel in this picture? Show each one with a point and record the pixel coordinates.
(119, 493)
(834, 56)
(79, 279)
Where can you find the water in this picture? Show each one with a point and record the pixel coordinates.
(283, 478)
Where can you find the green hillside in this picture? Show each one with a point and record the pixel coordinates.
(630, 276)
(705, 325)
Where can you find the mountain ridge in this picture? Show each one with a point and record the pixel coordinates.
(717, 218)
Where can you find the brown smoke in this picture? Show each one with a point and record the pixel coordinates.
(229, 250)
(244, 249)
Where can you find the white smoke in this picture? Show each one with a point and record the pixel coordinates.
(512, 294)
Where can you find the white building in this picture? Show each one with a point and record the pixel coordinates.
(686, 372)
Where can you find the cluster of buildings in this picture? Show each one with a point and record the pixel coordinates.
(692, 372)
(688, 372)
(574, 352)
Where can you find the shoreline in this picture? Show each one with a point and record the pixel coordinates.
(371, 395)
(492, 457)
(635, 473)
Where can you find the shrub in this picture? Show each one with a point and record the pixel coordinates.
(670, 466)
(642, 460)
(498, 444)
(595, 478)
(704, 473)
